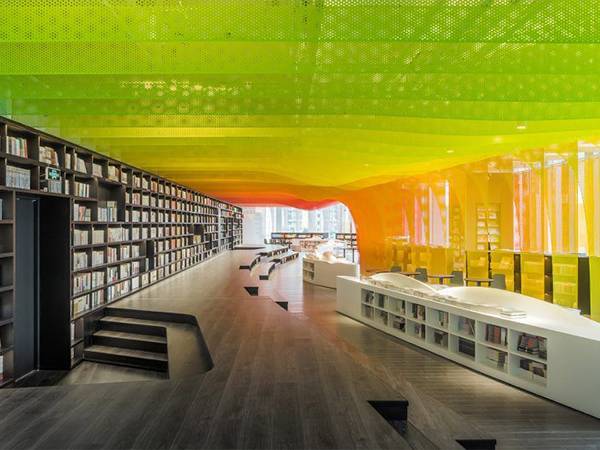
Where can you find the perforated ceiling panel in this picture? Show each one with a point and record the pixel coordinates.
(300, 101)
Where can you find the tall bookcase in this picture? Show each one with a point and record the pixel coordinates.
(127, 229)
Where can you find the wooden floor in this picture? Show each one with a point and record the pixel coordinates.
(284, 380)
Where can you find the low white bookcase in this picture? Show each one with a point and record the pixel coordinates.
(324, 273)
(549, 351)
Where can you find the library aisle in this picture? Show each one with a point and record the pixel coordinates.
(295, 379)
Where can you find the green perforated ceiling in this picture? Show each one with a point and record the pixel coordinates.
(288, 100)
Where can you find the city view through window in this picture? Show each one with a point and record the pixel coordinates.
(260, 222)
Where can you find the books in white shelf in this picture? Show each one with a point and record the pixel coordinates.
(441, 318)
(419, 330)
(495, 334)
(496, 358)
(135, 283)
(80, 260)
(534, 345)
(48, 156)
(535, 368)
(440, 338)
(466, 326)
(418, 311)
(466, 347)
(18, 177)
(399, 323)
(16, 146)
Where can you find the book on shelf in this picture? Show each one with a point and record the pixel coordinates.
(496, 357)
(97, 278)
(80, 165)
(80, 260)
(1, 368)
(97, 257)
(107, 211)
(418, 311)
(97, 298)
(419, 330)
(442, 318)
(48, 156)
(440, 338)
(80, 305)
(496, 334)
(17, 177)
(534, 345)
(98, 236)
(81, 213)
(80, 237)
(113, 173)
(466, 347)
(112, 274)
(67, 160)
(97, 169)
(399, 323)
(536, 368)
(466, 325)
(82, 282)
(111, 255)
(81, 189)
(17, 146)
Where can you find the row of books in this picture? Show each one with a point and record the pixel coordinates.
(466, 347)
(466, 326)
(441, 318)
(107, 212)
(81, 213)
(17, 177)
(17, 146)
(495, 334)
(536, 368)
(534, 345)
(48, 156)
(88, 280)
(418, 311)
(497, 358)
(81, 189)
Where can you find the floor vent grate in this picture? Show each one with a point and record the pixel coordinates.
(252, 290)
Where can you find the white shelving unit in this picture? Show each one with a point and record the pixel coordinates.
(536, 353)
(324, 273)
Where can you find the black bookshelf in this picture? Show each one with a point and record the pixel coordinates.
(126, 229)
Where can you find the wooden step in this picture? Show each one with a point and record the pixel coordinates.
(134, 341)
(131, 325)
(127, 357)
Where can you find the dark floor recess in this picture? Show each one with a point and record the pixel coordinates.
(252, 290)
(284, 305)
(395, 412)
(477, 444)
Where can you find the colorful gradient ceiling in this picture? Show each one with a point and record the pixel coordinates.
(302, 101)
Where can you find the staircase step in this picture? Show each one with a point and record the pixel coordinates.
(134, 341)
(127, 357)
(129, 325)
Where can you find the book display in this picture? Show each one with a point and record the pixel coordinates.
(571, 281)
(520, 340)
(488, 226)
(536, 275)
(502, 262)
(128, 228)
